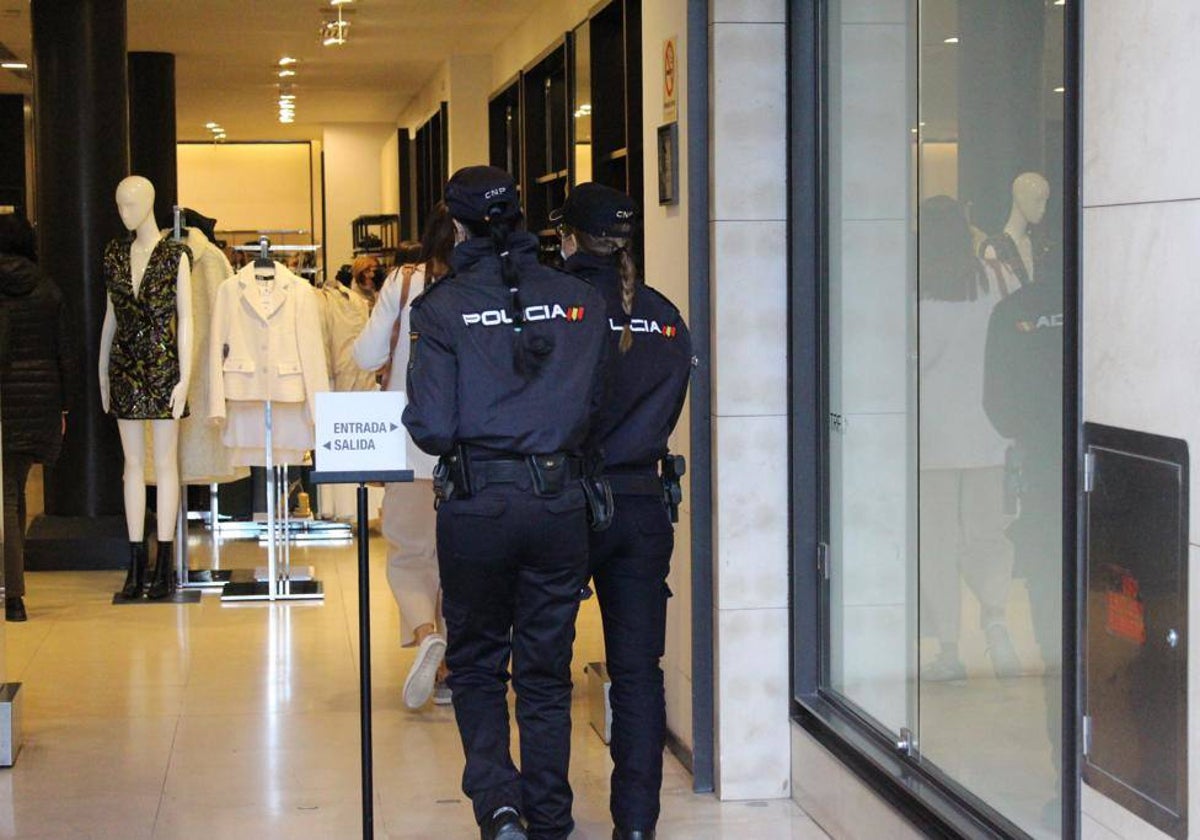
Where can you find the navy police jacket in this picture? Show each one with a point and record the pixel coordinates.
(646, 385)
(463, 386)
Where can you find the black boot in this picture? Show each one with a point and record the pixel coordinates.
(135, 577)
(164, 573)
(14, 609)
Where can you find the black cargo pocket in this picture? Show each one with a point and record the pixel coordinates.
(652, 518)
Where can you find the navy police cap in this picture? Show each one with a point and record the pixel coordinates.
(481, 193)
(598, 210)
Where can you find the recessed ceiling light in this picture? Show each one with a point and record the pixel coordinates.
(286, 60)
(1060, 89)
(951, 40)
(14, 65)
(285, 74)
(211, 125)
(339, 2)
(1060, 2)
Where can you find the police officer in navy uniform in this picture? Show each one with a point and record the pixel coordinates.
(650, 359)
(504, 373)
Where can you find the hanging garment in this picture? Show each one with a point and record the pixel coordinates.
(345, 315)
(143, 366)
(203, 457)
(265, 345)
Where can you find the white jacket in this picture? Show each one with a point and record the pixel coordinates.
(372, 347)
(266, 341)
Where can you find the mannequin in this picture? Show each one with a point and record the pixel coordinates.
(145, 364)
(1010, 255)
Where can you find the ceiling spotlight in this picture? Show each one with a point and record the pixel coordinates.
(1060, 89)
(334, 32)
(286, 74)
(211, 125)
(951, 40)
(286, 60)
(339, 2)
(14, 65)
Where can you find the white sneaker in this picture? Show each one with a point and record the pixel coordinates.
(419, 683)
(442, 695)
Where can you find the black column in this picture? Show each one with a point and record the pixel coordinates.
(152, 127)
(12, 151)
(81, 118)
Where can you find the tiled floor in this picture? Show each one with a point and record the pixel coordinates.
(240, 721)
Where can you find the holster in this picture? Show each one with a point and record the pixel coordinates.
(672, 469)
(600, 506)
(452, 476)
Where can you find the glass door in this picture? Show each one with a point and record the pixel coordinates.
(872, 396)
(944, 155)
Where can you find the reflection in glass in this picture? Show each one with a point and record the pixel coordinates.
(945, 150)
(582, 102)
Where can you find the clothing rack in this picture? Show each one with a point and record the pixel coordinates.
(279, 584)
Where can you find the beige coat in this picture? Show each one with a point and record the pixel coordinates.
(266, 342)
(203, 458)
(345, 316)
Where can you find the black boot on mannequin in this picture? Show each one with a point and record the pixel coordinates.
(135, 578)
(164, 573)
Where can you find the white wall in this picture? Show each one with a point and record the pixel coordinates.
(541, 29)
(1141, 217)
(666, 235)
(353, 181)
(748, 224)
(248, 186)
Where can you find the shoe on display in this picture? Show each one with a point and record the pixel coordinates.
(1000, 648)
(135, 576)
(632, 834)
(418, 686)
(164, 574)
(14, 609)
(946, 668)
(504, 824)
(442, 695)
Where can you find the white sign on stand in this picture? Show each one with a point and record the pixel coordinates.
(360, 431)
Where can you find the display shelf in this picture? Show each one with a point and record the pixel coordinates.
(375, 234)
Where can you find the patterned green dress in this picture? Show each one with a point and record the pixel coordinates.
(143, 367)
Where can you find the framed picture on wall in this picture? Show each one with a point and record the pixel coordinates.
(668, 163)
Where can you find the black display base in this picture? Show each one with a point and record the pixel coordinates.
(259, 590)
(179, 596)
(76, 543)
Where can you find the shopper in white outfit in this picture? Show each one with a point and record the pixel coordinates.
(408, 518)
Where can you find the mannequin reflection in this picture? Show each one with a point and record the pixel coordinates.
(145, 362)
(1010, 256)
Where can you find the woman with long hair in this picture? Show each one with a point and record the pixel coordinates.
(504, 369)
(651, 360)
(407, 513)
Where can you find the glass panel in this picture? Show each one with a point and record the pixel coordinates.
(583, 103)
(944, 221)
(990, 292)
(872, 387)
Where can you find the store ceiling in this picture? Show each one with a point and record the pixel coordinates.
(227, 52)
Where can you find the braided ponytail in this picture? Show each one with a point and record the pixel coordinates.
(628, 272)
(611, 246)
(529, 349)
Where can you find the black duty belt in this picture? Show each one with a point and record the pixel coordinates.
(634, 484)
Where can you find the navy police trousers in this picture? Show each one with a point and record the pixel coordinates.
(629, 564)
(512, 565)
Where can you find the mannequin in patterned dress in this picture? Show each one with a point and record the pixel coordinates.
(145, 362)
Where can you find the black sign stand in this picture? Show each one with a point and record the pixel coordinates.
(364, 621)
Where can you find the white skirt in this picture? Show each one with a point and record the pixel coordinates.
(245, 434)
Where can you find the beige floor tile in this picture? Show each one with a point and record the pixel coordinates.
(217, 720)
